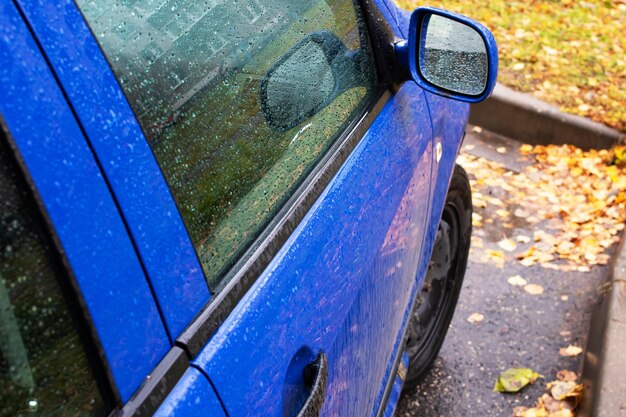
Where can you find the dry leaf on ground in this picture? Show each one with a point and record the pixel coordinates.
(565, 375)
(533, 289)
(508, 245)
(561, 400)
(571, 350)
(560, 390)
(475, 318)
(517, 280)
(574, 200)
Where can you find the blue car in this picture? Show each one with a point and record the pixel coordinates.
(230, 208)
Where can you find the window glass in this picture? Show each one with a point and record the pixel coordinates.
(238, 100)
(43, 367)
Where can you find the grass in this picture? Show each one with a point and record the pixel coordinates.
(568, 53)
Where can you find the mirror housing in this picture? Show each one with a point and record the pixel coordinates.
(463, 68)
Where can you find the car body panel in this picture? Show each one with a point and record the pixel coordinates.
(192, 396)
(342, 283)
(126, 159)
(80, 208)
(449, 118)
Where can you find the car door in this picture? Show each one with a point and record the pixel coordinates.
(80, 330)
(306, 217)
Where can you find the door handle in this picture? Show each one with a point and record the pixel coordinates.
(316, 377)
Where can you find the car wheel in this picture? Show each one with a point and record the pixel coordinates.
(434, 307)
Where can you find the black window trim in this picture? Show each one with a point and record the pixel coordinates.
(65, 277)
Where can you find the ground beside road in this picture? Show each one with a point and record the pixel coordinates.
(519, 329)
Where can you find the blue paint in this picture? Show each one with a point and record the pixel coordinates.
(344, 280)
(80, 207)
(192, 396)
(126, 158)
(449, 119)
(407, 53)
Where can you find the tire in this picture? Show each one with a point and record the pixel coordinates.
(434, 305)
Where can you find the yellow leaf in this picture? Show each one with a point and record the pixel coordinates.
(571, 350)
(533, 289)
(507, 244)
(475, 318)
(517, 280)
(514, 379)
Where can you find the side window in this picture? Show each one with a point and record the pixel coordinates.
(239, 100)
(43, 367)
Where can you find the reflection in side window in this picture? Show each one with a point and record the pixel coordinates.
(43, 367)
(238, 100)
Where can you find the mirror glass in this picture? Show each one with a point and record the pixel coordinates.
(453, 56)
(297, 86)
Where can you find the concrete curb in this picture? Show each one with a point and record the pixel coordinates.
(524, 118)
(604, 367)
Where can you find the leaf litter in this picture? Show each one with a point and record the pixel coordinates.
(561, 399)
(574, 200)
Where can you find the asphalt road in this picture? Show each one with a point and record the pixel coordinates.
(518, 330)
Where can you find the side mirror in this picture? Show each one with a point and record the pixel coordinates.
(302, 82)
(450, 55)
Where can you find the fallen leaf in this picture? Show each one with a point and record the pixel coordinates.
(475, 318)
(495, 256)
(566, 390)
(562, 413)
(526, 149)
(561, 389)
(535, 412)
(533, 289)
(565, 375)
(517, 280)
(514, 379)
(507, 244)
(503, 213)
(571, 350)
(519, 411)
(554, 406)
